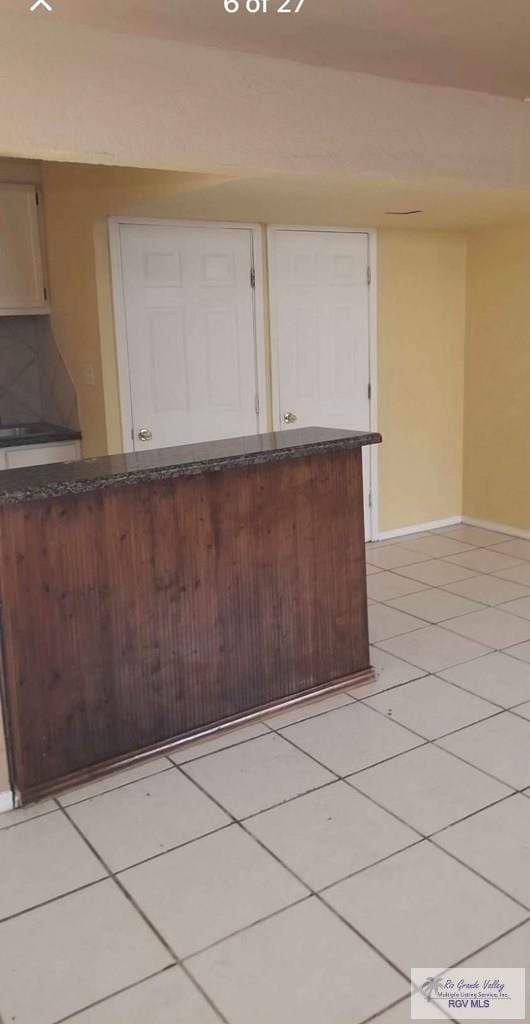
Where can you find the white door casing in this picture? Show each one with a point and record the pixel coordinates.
(320, 327)
(187, 309)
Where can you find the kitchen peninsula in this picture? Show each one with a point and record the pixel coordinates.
(149, 598)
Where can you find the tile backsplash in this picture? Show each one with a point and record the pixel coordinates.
(34, 383)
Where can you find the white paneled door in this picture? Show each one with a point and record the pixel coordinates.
(320, 319)
(188, 312)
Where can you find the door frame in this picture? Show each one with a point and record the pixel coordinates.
(371, 236)
(120, 320)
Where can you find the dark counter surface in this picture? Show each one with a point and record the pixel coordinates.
(59, 479)
(19, 434)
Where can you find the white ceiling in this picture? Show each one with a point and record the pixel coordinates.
(481, 45)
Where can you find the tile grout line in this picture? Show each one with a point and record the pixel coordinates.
(119, 992)
(174, 764)
(504, 935)
(460, 757)
(317, 893)
(378, 952)
(58, 797)
(426, 534)
(249, 818)
(348, 777)
(291, 871)
(443, 668)
(53, 899)
(171, 766)
(16, 824)
(246, 927)
(206, 995)
(390, 603)
(414, 828)
(392, 1006)
(426, 838)
(442, 589)
(473, 693)
(476, 952)
(438, 673)
(430, 739)
(475, 574)
(473, 814)
(113, 875)
(337, 777)
(142, 915)
(425, 624)
(499, 708)
(241, 821)
(137, 984)
(311, 892)
(514, 899)
(425, 742)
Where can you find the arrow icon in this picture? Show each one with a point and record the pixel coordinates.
(41, 3)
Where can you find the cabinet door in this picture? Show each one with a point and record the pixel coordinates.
(21, 272)
(42, 454)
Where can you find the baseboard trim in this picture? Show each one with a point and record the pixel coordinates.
(404, 531)
(6, 801)
(440, 524)
(485, 524)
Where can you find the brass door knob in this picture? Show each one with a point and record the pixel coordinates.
(145, 434)
(290, 417)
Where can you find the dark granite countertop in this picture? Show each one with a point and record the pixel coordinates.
(19, 434)
(59, 479)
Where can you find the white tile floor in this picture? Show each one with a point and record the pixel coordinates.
(295, 869)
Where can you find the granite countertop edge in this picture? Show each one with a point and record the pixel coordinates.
(26, 489)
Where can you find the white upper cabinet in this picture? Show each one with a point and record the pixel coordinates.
(22, 285)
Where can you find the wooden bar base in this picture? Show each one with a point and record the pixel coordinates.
(229, 725)
(137, 617)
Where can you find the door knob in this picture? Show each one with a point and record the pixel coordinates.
(145, 434)
(290, 417)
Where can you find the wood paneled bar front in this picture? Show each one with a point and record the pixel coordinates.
(150, 598)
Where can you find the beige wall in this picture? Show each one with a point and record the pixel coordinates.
(421, 319)
(421, 376)
(497, 421)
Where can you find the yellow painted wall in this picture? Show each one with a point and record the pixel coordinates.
(497, 420)
(422, 301)
(421, 319)
(20, 172)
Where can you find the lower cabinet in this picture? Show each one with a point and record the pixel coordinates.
(39, 454)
